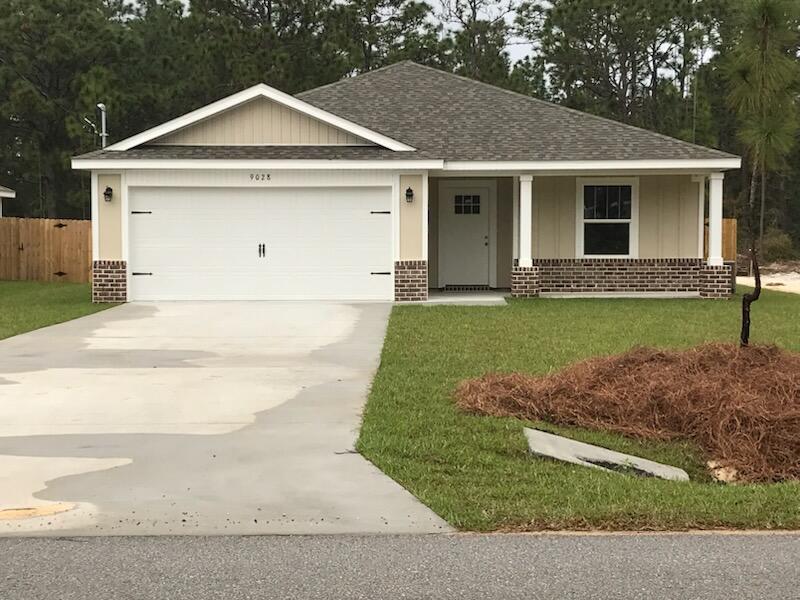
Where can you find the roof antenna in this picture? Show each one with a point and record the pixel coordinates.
(103, 132)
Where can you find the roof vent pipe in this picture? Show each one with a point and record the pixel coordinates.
(103, 131)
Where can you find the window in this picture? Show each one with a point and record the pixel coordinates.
(467, 205)
(607, 219)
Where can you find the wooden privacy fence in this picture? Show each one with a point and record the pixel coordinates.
(728, 240)
(45, 249)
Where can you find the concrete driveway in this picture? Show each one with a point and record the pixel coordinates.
(196, 418)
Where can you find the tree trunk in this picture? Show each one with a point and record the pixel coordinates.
(763, 204)
(748, 299)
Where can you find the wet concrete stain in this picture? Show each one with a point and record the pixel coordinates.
(293, 470)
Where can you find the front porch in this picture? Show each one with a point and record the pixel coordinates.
(561, 235)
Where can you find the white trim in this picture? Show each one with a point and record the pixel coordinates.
(395, 220)
(491, 184)
(212, 163)
(515, 216)
(525, 221)
(277, 178)
(260, 90)
(592, 165)
(633, 243)
(95, 218)
(620, 295)
(124, 217)
(8, 194)
(700, 180)
(425, 216)
(487, 169)
(715, 181)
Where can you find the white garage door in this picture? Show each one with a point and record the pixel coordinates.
(265, 244)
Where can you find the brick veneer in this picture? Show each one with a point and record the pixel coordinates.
(109, 281)
(621, 275)
(717, 281)
(410, 280)
(524, 282)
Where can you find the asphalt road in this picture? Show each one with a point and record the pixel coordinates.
(696, 566)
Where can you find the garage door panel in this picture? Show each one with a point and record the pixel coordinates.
(203, 244)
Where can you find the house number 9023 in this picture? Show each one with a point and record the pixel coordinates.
(260, 177)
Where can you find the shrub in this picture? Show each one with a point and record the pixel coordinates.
(777, 246)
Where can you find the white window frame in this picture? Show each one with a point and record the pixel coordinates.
(633, 244)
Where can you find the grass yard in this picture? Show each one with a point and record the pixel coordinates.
(475, 471)
(28, 305)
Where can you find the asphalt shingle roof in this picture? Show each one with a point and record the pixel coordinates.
(455, 118)
(448, 117)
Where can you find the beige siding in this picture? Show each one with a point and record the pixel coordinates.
(668, 216)
(109, 218)
(505, 231)
(553, 217)
(411, 218)
(433, 232)
(260, 121)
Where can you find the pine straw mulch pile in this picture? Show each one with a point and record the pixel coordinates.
(740, 405)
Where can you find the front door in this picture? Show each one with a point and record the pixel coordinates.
(464, 236)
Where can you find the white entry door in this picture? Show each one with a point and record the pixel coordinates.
(264, 244)
(464, 236)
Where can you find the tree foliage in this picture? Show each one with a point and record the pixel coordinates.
(680, 67)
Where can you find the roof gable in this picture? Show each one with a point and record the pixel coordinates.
(459, 119)
(228, 111)
(260, 122)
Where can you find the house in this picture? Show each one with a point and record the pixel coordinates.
(406, 178)
(5, 193)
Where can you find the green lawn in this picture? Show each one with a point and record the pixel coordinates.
(27, 305)
(475, 471)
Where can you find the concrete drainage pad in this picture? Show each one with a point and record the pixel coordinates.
(587, 455)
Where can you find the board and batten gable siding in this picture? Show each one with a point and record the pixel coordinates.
(668, 217)
(109, 217)
(260, 121)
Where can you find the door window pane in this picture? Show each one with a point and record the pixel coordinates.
(467, 204)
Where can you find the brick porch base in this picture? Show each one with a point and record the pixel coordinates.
(524, 282)
(109, 281)
(411, 280)
(621, 275)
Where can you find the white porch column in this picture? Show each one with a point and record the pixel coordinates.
(515, 215)
(715, 219)
(525, 219)
(700, 180)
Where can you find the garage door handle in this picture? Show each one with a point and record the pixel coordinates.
(262, 250)
(380, 273)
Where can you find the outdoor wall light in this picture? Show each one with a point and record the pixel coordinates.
(409, 195)
(108, 193)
